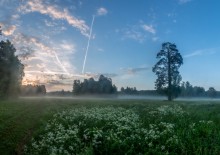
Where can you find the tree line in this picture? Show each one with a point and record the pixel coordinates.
(185, 90)
(129, 90)
(32, 90)
(188, 90)
(89, 86)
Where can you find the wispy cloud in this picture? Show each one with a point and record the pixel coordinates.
(195, 53)
(100, 50)
(134, 34)
(184, 1)
(55, 13)
(134, 70)
(51, 56)
(139, 32)
(46, 63)
(102, 11)
(8, 30)
(155, 38)
(149, 28)
(68, 47)
(202, 52)
(50, 23)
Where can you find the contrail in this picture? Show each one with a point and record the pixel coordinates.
(59, 62)
(87, 48)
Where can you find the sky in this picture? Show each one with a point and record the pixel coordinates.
(56, 39)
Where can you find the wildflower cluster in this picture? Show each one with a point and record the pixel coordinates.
(173, 110)
(109, 130)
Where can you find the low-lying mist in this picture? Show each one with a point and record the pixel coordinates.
(120, 97)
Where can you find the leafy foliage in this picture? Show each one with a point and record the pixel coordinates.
(166, 69)
(11, 70)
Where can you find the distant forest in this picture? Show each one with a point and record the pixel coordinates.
(91, 87)
(185, 89)
(104, 86)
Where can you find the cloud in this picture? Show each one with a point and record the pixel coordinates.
(155, 38)
(49, 23)
(109, 75)
(51, 55)
(47, 63)
(102, 11)
(201, 52)
(133, 71)
(8, 30)
(184, 1)
(100, 49)
(134, 34)
(139, 32)
(68, 47)
(196, 53)
(55, 13)
(149, 28)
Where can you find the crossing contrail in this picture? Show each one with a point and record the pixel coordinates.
(59, 62)
(87, 48)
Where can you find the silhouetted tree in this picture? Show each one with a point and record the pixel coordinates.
(11, 70)
(212, 92)
(114, 89)
(105, 84)
(166, 69)
(186, 89)
(76, 87)
(122, 89)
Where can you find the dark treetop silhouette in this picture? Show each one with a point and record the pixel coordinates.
(166, 69)
(90, 86)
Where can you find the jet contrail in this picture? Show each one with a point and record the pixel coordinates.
(59, 62)
(87, 48)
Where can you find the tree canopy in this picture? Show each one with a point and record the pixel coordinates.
(11, 70)
(166, 69)
(90, 86)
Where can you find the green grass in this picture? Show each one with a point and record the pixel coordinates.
(23, 119)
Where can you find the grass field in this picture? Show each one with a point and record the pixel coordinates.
(67, 126)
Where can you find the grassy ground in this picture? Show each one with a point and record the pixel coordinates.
(22, 119)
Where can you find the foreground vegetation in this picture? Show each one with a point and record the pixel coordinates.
(66, 126)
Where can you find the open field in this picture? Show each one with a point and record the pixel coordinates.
(75, 126)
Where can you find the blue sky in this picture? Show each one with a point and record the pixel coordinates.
(51, 37)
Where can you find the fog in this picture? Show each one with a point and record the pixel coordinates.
(123, 97)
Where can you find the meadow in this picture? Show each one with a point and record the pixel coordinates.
(109, 126)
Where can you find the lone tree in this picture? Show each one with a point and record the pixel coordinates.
(11, 70)
(166, 69)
